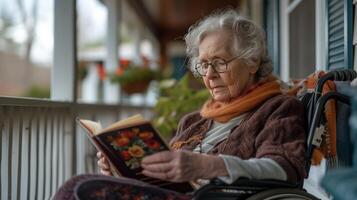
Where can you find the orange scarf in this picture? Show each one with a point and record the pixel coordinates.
(255, 96)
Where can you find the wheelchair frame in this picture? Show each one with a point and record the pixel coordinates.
(270, 189)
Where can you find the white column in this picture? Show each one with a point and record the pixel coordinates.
(111, 91)
(284, 44)
(63, 79)
(155, 54)
(90, 85)
(137, 42)
(321, 34)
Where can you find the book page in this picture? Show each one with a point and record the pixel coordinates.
(136, 119)
(92, 127)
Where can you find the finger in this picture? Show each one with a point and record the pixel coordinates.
(99, 154)
(102, 164)
(158, 175)
(164, 156)
(107, 173)
(161, 167)
(104, 161)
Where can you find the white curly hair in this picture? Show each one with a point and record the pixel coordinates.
(248, 40)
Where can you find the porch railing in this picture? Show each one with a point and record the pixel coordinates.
(41, 146)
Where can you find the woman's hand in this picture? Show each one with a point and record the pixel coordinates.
(180, 166)
(103, 164)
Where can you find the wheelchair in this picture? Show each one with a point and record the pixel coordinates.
(314, 103)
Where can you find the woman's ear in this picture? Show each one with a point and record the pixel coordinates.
(253, 69)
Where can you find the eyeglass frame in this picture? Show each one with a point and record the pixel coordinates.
(210, 63)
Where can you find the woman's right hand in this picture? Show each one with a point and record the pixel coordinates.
(103, 164)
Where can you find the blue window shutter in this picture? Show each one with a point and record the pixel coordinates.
(339, 34)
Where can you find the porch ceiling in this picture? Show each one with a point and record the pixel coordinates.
(170, 19)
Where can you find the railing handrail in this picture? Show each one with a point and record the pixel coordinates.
(33, 102)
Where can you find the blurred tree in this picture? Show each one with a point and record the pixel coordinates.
(38, 92)
(29, 20)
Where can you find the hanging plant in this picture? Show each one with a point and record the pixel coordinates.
(134, 79)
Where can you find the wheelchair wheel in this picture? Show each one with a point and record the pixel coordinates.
(283, 194)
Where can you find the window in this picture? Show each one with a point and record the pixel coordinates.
(302, 40)
(291, 37)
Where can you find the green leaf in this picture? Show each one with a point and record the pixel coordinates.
(175, 101)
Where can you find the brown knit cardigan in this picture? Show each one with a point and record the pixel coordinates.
(274, 130)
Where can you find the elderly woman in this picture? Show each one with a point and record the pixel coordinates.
(248, 128)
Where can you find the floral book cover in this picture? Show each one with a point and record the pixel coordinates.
(126, 147)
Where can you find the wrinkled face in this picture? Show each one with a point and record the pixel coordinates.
(238, 77)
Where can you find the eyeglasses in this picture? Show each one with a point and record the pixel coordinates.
(219, 65)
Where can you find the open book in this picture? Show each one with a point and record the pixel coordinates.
(125, 143)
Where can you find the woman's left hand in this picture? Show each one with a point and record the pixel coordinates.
(181, 166)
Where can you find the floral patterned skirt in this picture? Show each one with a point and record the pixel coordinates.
(99, 187)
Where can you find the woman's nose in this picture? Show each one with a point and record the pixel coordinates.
(211, 72)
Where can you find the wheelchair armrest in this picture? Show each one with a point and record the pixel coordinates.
(263, 183)
(242, 185)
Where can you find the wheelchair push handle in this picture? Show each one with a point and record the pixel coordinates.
(337, 75)
(344, 75)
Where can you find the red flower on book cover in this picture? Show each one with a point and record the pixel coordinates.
(122, 141)
(145, 135)
(153, 144)
(125, 155)
(129, 134)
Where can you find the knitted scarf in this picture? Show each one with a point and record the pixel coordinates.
(255, 96)
(223, 112)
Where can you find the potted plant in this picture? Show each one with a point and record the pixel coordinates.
(177, 98)
(133, 78)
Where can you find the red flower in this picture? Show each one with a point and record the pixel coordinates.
(124, 63)
(145, 135)
(125, 155)
(122, 141)
(145, 61)
(101, 71)
(119, 71)
(129, 134)
(153, 144)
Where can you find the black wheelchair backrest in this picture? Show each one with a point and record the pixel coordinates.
(315, 103)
